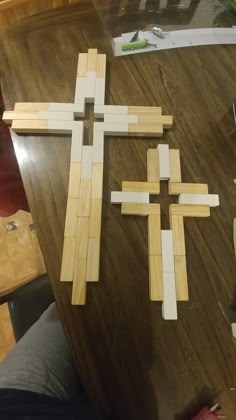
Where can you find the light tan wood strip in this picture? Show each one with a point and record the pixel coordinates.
(74, 180)
(101, 65)
(150, 187)
(71, 217)
(153, 172)
(189, 210)
(177, 227)
(92, 274)
(176, 188)
(150, 130)
(95, 218)
(163, 120)
(97, 180)
(79, 282)
(175, 167)
(155, 278)
(140, 110)
(82, 237)
(154, 234)
(92, 59)
(68, 258)
(140, 209)
(181, 278)
(82, 65)
(84, 198)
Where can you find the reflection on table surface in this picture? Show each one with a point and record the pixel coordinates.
(122, 16)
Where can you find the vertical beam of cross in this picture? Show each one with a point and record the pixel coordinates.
(81, 250)
(166, 248)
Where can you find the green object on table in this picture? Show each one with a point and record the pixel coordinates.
(141, 43)
(232, 4)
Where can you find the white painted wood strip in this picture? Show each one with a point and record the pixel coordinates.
(86, 170)
(100, 88)
(167, 251)
(60, 127)
(116, 128)
(77, 109)
(87, 156)
(56, 115)
(80, 90)
(164, 161)
(100, 110)
(169, 305)
(118, 197)
(128, 118)
(77, 142)
(209, 199)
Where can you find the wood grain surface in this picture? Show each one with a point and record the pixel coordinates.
(132, 362)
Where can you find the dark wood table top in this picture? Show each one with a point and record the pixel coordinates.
(132, 362)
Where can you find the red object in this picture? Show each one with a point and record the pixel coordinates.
(205, 414)
(12, 194)
(214, 414)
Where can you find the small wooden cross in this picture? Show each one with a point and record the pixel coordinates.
(166, 248)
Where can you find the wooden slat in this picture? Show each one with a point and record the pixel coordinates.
(92, 59)
(140, 209)
(79, 282)
(97, 180)
(82, 65)
(31, 106)
(140, 110)
(84, 198)
(30, 126)
(177, 227)
(71, 217)
(92, 273)
(149, 130)
(189, 210)
(154, 234)
(181, 279)
(164, 120)
(150, 187)
(95, 218)
(153, 174)
(175, 167)
(101, 65)
(176, 188)
(82, 237)
(68, 257)
(155, 278)
(74, 180)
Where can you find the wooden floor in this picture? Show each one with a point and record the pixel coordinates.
(134, 364)
(7, 340)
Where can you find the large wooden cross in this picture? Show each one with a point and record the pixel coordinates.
(166, 248)
(81, 250)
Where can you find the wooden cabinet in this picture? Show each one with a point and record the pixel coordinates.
(11, 11)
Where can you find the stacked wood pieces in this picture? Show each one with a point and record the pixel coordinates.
(82, 244)
(166, 248)
(44, 118)
(133, 120)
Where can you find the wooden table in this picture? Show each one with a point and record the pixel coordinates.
(131, 361)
